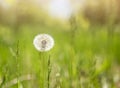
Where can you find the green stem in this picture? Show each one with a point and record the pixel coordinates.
(49, 71)
(17, 61)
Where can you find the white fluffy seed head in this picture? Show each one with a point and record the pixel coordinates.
(43, 42)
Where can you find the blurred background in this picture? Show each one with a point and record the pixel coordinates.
(87, 43)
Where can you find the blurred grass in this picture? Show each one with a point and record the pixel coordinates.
(91, 47)
(86, 52)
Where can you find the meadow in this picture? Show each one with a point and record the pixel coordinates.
(85, 55)
(86, 59)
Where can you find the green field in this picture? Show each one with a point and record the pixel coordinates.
(81, 58)
(86, 53)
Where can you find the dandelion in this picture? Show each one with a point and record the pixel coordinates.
(43, 42)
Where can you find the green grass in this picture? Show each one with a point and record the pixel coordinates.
(82, 64)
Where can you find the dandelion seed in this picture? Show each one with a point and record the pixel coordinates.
(43, 42)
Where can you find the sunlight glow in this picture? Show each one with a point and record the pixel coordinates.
(60, 8)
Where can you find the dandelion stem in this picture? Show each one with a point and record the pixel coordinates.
(40, 70)
(49, 71)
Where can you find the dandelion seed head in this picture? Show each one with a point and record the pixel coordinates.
(43, 42)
